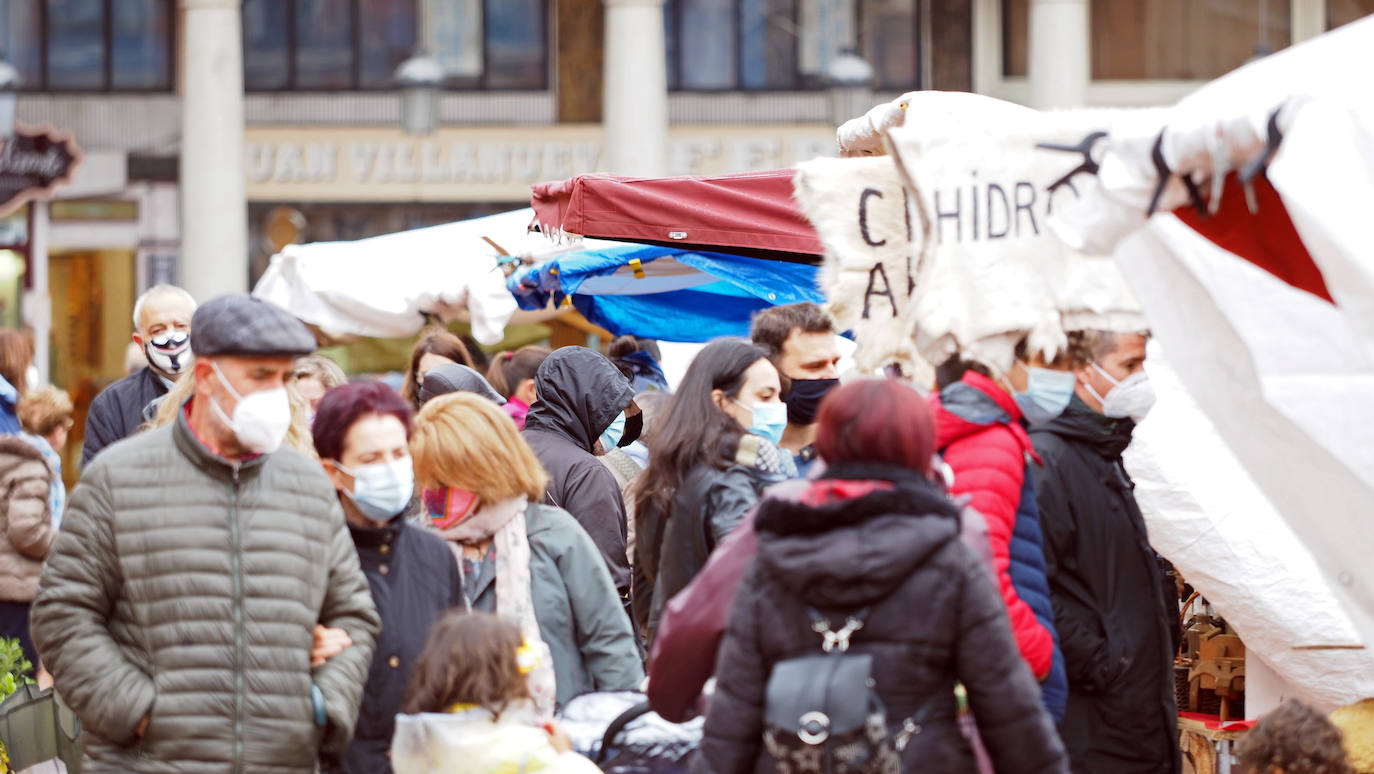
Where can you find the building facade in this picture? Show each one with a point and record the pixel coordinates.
(521, 102)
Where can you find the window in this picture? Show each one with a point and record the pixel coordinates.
(89, 45)
(1162, 39)
(331, 45)
(762, 45)
(1341, 12)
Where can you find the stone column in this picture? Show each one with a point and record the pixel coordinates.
(214, 209)
(635, 109)
(1060, 54)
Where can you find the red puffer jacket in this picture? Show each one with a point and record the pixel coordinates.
(980, 436)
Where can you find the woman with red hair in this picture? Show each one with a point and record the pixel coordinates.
(875, 541)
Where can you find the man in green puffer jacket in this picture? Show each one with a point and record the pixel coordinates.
(179, 606)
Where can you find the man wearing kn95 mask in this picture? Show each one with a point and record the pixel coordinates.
(203, 606)
(162, 330)
(1114, 606)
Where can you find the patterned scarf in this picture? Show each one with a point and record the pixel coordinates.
(504, 524)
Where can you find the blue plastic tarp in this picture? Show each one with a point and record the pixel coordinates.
(664, 293)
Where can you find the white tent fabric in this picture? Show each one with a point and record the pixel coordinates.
(383, 286)
(1206, 513)
(1286, 378)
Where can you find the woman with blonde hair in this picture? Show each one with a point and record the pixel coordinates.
(530, 563)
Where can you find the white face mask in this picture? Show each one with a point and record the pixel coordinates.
(383, 489)
(261, 418)
(1130, 397)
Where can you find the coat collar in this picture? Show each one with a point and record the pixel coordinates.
(200, 455)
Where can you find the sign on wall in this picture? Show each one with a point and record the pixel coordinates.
(33, 163)
(488, 164)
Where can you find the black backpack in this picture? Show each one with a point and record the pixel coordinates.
(822, 714)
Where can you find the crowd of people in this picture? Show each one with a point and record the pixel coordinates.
(267, 567)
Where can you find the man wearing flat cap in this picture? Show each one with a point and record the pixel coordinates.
(202, 609)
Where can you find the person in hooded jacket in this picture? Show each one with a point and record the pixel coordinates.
(714, 453)
(582, 408)
(981, 434)
(1116, 624)
(362, 433)
(875, 536)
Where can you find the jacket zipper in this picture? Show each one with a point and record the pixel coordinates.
(238, 623)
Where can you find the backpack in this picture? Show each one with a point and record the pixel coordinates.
(822, 714)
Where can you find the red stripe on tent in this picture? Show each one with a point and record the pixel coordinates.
(1265, 238)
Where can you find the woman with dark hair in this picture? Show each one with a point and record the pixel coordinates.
(362, 434)
(713, 454)
(435, 347)
(512, 374)
(875, 543)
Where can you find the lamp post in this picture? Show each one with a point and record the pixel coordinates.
(849, 86)
(420, 77)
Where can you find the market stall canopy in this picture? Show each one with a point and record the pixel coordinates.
(749, 214)
(385, 286)
(665, 293)
(1263, 299)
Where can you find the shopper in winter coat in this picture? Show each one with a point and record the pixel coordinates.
(581, 397)
(530, 563)
(1114, 620)
(178, 609)
(713, 455)
(875, 534)
(162, 328)
(26, 534)
(979, 433)
(362, 433)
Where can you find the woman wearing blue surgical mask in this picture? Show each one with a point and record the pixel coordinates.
(714, 453)
(362, 434)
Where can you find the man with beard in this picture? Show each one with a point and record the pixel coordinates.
(800, 340)
(162, 328)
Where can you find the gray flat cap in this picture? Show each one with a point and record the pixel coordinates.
(454, 377)
(243, 325)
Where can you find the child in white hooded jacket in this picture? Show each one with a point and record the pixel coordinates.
(469, 707)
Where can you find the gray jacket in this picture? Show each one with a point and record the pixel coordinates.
(576, 605)
(185, 588)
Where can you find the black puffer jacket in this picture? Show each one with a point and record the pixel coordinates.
(934, 617)
(414, 581)
(1116, 626)
(580, 394)
(119, 410)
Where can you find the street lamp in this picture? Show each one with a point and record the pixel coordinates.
(849, 83)
(9, 95)
(420, 77)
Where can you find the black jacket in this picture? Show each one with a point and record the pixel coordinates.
(707, 507)
(118, 410)
(580, 394)
(935, 616)
(414, 580)
(1115, 625)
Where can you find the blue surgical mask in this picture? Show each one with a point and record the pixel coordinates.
(770, 420)
(1047, 394)
(610, 437)
(383, 489)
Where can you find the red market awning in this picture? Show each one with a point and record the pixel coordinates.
(746, 214)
